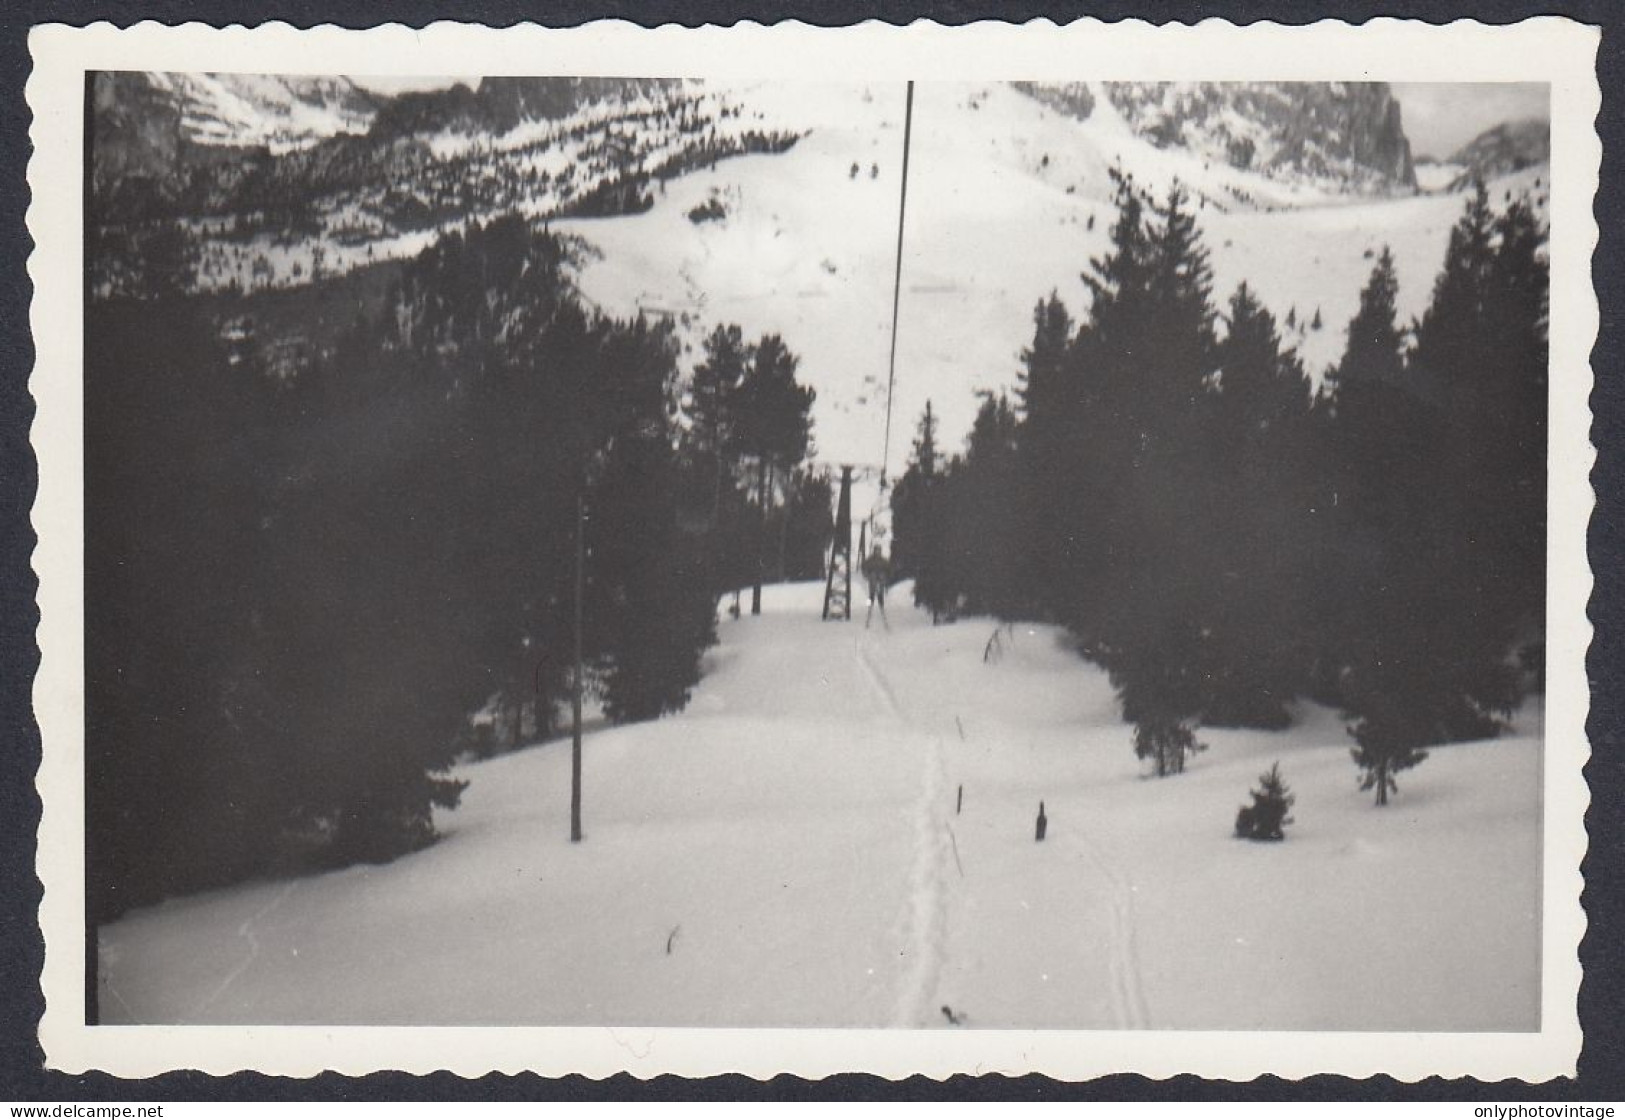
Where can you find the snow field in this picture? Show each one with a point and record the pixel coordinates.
(808, 250)
(786, 852)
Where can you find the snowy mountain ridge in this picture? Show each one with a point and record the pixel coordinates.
(1340, 136)
(1504, 149)
(280, 112)
(1009, 198)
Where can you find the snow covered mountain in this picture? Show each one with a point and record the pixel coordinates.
(1504, 149)
(279, 112)
(1347, 135)
(774, 205)
(1009, 199)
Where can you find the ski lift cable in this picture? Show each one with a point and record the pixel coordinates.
(897, 284)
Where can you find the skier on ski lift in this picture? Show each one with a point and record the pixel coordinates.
(877, 570)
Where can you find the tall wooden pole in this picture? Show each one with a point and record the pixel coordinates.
(761, 535)
(575, 691)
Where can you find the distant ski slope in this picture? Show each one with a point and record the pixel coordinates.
(1001, 193)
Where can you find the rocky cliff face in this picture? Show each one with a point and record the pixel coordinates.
(1347, 135)
(497, 105)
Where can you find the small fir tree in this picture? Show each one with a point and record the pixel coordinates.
(1388, 743)
(1166, 742)
(1265, 818)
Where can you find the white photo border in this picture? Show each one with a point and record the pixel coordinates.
(1553, 50)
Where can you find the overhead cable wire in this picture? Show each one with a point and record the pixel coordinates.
(897, 285)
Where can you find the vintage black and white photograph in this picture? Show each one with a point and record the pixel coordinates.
(868, 552)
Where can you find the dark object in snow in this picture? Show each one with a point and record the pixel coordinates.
(993, 652)
(1043, 822)
(1267, 815)
(671, 938)
(711, 210)
(959, 802)
(948, 1014)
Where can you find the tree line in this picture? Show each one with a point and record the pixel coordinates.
(298, 591)
(1223, 538)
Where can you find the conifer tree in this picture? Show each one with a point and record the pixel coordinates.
(1266, 817)
(1256, 568)
(772, 416)
(710, 446)
(1482, 348)
(1432, 605)
(805, 524)
(1375, 351)
(713, 400)
(1047, 393)
(915, 538)
(1264, 392)
(1389, 742)
(981, 551)
(651, 600)
(1140, 506)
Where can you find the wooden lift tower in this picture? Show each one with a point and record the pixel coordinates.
(838, 578)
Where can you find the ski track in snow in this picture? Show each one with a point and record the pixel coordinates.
(1127, 995)
(246, 931)
(927, 924)
(927, 909)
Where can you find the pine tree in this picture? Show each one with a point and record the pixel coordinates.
(710, 447)
(1047, 393)
(805, 524)
(1264, 391)
(1481, 347)
(1042, 384)
(1267, 816)
(1389, 742)
(1166, 742)
(773, 426)
(1376, 346)
(1254, 574)
(712, 404)
(1138, 489)
(1432, 607)
(914, 539)
(1374, 432)
(652, 607)
(981, 550)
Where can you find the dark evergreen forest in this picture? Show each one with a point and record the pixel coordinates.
(1223, 540)
(299, 589)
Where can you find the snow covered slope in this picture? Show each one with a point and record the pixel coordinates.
(792, 850)
(1008, 200)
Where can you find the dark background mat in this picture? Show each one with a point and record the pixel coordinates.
(23, 1077)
